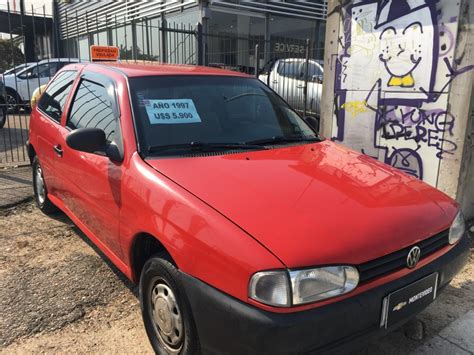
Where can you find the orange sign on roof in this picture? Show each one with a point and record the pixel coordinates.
(102, 53)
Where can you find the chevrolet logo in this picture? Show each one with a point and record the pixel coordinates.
(399, 306)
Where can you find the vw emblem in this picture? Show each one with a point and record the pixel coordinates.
(413, 257)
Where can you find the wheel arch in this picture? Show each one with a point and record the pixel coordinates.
(13, 91)
(144, 246)
(31, 152)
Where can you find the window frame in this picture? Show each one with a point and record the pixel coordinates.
(65, 108)
(111, 89)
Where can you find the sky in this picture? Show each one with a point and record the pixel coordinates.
(37, 5)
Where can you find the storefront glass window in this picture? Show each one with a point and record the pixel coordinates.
(232, 39)
(84, 45)
(101, 38)
(122, 37)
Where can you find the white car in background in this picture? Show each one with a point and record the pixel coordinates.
(20, 86)
(287, 78)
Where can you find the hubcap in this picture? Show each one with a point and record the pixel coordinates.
(40, 190)
(167, 318)
(11, 103)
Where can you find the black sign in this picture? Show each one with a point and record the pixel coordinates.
(409, 300)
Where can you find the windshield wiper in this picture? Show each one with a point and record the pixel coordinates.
(282, 139)
(201, 146)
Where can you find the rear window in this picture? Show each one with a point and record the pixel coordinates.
(172, 110)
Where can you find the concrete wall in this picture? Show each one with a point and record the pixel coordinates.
(398, 82)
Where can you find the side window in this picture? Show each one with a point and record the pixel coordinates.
(42, 71)
(314, 72)
(54, 98)
(289, 69)
(92, 108)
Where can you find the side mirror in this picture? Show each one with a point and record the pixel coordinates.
(89, 140)
(93, 140)
(313, 122)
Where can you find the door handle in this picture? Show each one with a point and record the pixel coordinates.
(275, 81)
(58, 150)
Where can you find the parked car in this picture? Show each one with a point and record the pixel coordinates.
(16, 69)
(247, 232)
(287, 78)
(20, 86)
(3, 106)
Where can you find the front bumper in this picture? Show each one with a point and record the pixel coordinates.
(228, 326)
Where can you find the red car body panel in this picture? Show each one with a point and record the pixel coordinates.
(223, 218)
(335, 206)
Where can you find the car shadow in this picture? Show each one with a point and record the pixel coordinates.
(62, 217)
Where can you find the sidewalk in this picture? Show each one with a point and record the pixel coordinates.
(15, 186)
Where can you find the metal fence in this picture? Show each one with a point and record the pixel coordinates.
(289, 66)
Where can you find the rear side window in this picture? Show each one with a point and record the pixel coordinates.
(54, 98)
(92, 108)
(289, 69)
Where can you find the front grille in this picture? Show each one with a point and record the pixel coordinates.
(396, 261)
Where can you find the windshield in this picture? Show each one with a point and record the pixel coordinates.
(178, 114)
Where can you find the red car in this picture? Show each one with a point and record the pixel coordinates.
(247, 231)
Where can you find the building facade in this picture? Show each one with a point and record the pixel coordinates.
(166, 30)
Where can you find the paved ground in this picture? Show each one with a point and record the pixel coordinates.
(13, 137)
(59, 295)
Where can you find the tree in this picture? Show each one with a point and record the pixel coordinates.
(9, 58)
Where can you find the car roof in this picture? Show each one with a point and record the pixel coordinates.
(158, 69)
(53, 60)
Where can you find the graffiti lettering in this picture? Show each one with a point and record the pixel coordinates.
(395, 66)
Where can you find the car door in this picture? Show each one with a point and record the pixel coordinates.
(315, 87)
(90, 184)
(284, 80)
(47, 121)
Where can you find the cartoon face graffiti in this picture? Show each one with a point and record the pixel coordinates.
(408, 51)
(400, 54)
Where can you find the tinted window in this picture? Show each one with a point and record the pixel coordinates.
(199, 109)
(45, 70)
(92, 108)
(314, 71)
(289, 69)
(54, 98)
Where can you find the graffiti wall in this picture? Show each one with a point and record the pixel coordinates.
(393, 73)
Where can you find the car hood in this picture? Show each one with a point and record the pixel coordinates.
(317, 203)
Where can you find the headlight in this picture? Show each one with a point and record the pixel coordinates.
(319, 284)
(296, 287)
(458, 228)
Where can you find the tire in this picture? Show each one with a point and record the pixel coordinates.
(3, 115)
(13, 101)
(172, 330)
(40, 190)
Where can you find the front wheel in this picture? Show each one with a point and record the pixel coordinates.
(40, 190)
(13, 101)
(165, 308)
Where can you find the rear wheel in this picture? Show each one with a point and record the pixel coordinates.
(40, 190)
(165, 308)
